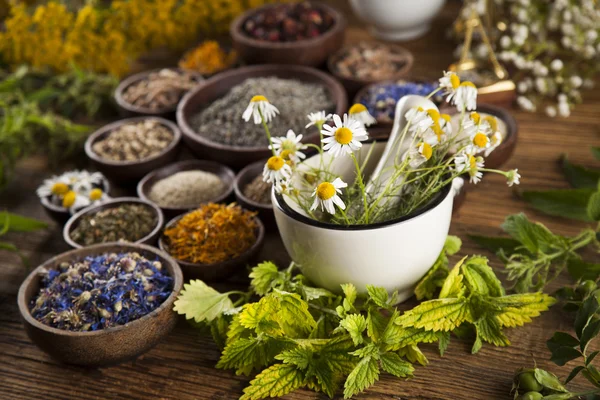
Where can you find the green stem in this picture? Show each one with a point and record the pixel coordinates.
(361, 185)
(266, 128)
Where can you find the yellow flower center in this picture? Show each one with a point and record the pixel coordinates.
(492, 121)
(480, 140)
(285, 154)
(476, 117)
(446, 117)
(343, 135)
(96, 194)
(468, 84)
(60, 188)
(434, 114)
(325, 191)
(256, 99)
(420, 109)
(438, 131)
(275, 163)
(69, 199)
(357, 109)
(425, 150)
(472, 162)
(455, 81)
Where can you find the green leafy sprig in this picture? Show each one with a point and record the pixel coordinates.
(294, 335)
(10, 222)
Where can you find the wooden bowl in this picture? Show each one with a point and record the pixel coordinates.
(148, 239)
(223, 172)
(309, 52)
(243, 178)
(353, 84)
(221, 270)
(126, 172)
(107, 346)
(238, 157)
(60, 214)
(127, 110)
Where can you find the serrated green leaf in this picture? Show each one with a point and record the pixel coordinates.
(443, 342)
(574, 373)
(378, 295)
(489, 330)
(262, 276)
(518, 309)
(293, 314)
(327, 381)
(19, 223)
(237, 330)
(218, 329)
(566, 203)
(244, 355)
(582, 270)
(480, 278)
(376, 324)
(355, 324)
(311, 293)
(579, 176)
(350, 296)
(532, 235)
(593, 207)
(362, 376)
(299, 356)
(452, 245)
(262, 316)
(453, 285)
(201, 302)
(396, 337)
(549, 380)
(336, 353)
(494, 244)
(393, 364)
(437, 315)
(437, 274)
(413, 354)
(370, 350)
(275, 381)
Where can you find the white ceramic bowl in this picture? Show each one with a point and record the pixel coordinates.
(394, 254)
(397, 20)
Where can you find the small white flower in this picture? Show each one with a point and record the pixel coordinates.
(513, 177)
(479, 142)
(326, 195)
(551, 111)
(276, 170)
(468, 163)
(289, 146)
(576, 81)
(465, 97)
(415, 115)
(525, 103)
(449, 82)
(79, 203)
(563, 109)
(360, 113)
(258, 105)
(317, 119)
(420, 154)
(345, 137)
(505, 42)
(556, 65)
(495, 141)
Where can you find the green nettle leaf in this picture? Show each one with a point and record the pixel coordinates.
(201, 302)
(495, 244)
(396, 336)
(532, 235)
(311, 293)
(481, 278)
(294, 313)
(566, 203)
(262, 276)
(593, 207)
(19, 223)
(582, 270)
(244, 355)
(453, 285)
(444, 341)
(438, 273)
(378, 295)
(437, 315)
(300, 356)
(218, 329)
(376, 324)
(489, 330)
(452, 245)
(275, 381)
(579, 176)
(350, 296)
(518, 309)
(355, 324)
(362, 376)
(413, 354)
(393, 364)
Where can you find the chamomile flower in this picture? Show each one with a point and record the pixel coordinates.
(438, 127)
(360, 113)
(74, 202)
(420, 154)
(260, 105)
(318, 119)
(495, 141)
(96, 195)
(468, 163)
(513, 177)
(58, 186)
(276, 170)
(415, 115)
(464, 97)
(479, 142)
(289, 146)
(345, 137)
(449, 82)
(326, 196)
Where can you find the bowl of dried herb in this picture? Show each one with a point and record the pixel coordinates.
(101, 305)
(123, 219)
(253, 193)
(213, 242)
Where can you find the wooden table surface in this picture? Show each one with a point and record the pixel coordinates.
(183, 365)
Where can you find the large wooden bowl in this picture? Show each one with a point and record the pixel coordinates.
(309, 52)
(216, 87)
(107, 346)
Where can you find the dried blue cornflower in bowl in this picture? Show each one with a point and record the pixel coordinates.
(101, 304)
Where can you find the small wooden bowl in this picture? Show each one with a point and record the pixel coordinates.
(238, 157)
(107, 346)
(243, 178)
(148, 239)
(125, 172)
(353, 84)
(221, 270)
(128, 110)
(309, 52)
(223, 172)
(60, 214)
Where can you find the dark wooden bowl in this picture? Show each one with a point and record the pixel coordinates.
(107, 346)
(60, 214)
(223, 172)
(243, 178)
(221, 270)
(148, 239)
(353, 84)
(127, 110)
(309, 52)
(238, 157)
(126, 172)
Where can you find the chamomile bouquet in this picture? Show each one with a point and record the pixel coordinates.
(423, 158)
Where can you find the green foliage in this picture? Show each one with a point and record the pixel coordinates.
(533, 256)
(435, 277)
(10, 222)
